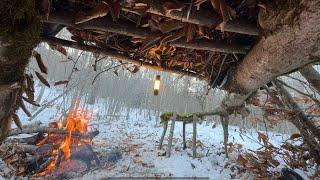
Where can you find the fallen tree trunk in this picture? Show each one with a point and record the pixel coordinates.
(287, 49)
(312, 76)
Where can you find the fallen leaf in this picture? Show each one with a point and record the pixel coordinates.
(40, 63)
(100, 10)
(169, 6)
(42, 79)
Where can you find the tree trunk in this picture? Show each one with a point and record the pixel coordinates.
(312, 76)
(287, 49)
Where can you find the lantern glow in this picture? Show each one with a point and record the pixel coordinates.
(156, 87)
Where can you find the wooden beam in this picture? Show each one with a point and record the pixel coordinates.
(204, 17)
(117, 56)
(106, 24)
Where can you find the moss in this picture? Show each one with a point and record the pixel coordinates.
(21, 29)
(180, 117)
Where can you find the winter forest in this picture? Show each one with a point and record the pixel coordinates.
(151, 89)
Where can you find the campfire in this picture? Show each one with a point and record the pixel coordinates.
(64, 149)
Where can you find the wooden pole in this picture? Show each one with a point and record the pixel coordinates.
(194, 137)
(114, 54)
(165, 127)
(174, 117)
(184, 135)
(203, 17)
(225, 123)
(106, 24)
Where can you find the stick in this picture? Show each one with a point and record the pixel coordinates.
(171, 134)
(225, 123)
(165, 127)
(194, 137)
(184, 135)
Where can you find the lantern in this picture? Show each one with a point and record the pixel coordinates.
(156, 87)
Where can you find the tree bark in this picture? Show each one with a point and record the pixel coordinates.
(312, 76)
(286, 50)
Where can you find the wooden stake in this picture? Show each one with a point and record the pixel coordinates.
(225, 123)
(173, 120)
(184, 135)
(194, 137)
(165, 127)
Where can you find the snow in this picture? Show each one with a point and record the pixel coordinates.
(137, 137)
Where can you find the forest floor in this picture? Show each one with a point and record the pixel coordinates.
(137, 137)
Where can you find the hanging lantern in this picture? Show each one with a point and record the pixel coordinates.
(156, 87)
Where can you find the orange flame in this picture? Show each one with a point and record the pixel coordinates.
(77, 121)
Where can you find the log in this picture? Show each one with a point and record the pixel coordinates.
(204, 17)
(174, 117)
(165, 127)
(116, 55)
(287, 49)
(47, 130)
(106, 24)
(312, 76)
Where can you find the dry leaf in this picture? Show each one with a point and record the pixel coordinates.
(115, 8)
(59, 48)
(17, 121)
(169, 6)
(40, 63)
(30, 101)
(61, 82)
(42, 79)
(100, 10)
(45, 8)
(24, 108)
(190, 31)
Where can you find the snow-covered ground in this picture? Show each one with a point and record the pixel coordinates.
(137, 137)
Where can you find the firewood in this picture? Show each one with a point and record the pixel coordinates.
(37, 129)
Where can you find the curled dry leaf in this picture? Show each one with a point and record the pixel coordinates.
(17, 120)
(42, 79)
(169, 6)
(24, 108)
(30, 101)
(45, 8)
(115, 8)
(59, 48)
(224, 10)
(135, 69)
(61, 82)
(40, 63)
(100, 10)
